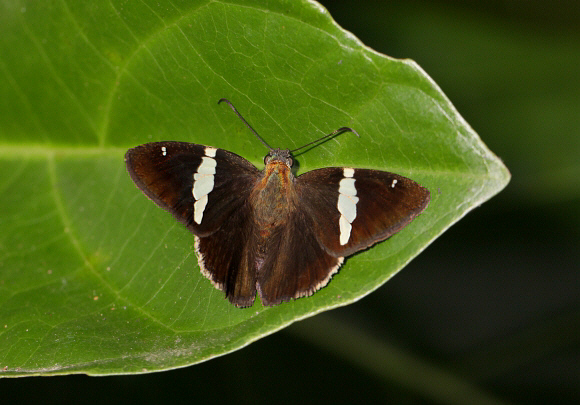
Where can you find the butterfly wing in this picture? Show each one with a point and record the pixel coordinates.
(207, 190)
(165, 171)
(356, 208)
(227, 258)
(311, 244)
(296, 265)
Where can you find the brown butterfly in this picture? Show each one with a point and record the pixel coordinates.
(267, 231)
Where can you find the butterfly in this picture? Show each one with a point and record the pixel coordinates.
(268, 232)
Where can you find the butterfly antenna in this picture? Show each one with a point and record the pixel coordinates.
(332, 134)
(244, 121)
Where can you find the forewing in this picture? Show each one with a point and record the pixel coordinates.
(353, 209)
(165, 172)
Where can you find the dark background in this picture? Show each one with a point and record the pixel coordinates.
(494, 303)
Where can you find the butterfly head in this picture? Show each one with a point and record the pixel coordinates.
(279, 155)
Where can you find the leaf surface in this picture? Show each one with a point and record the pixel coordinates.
(94, 278)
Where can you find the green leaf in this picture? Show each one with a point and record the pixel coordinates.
(94, 278)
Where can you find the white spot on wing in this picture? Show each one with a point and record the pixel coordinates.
(345, 228)
(203, 182)
(207, 166)
(346, 187)
(202, 185)
(346, 204)
(348, 172)
(198, 208)
(209, 151)
(164, 151)
(395, 181)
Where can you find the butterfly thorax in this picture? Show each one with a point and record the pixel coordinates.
(273, 196)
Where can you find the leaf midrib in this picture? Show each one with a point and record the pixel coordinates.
(48, 152)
